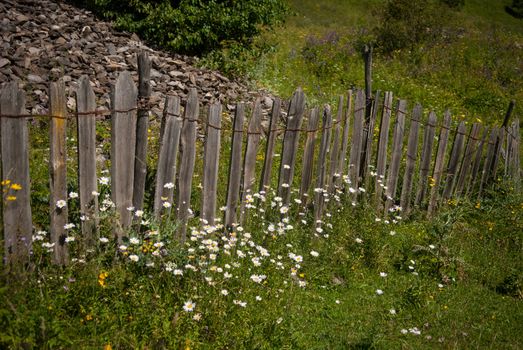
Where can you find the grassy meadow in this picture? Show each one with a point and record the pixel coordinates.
(361, 281)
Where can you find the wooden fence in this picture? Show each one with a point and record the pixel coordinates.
(397, 159)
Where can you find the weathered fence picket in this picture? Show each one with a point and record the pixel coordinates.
(188, 157)
(467, 158)
(290, 145)
(489, 160)
(455, 156)
(397, 151)
(167, 159)
(269, 148)
(381, 158)
(356, 143)
(308, 155)
(87, 186)
(412, 153)
(211, 159)
(426, 154)
(437, 173)
(369, 138)
(58, 172)
(477, 162)
(235, 167)
(17, 221)
(335, 150)
(320, 190)
(344, 140)
(142, 128)
(123, 143)
(249, 162)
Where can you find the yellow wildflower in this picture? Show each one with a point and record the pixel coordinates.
(16, 187)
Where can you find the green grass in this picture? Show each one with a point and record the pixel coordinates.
(475, 73)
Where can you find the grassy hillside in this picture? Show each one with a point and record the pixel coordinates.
(475, 71)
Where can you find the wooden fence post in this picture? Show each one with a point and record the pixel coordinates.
(188, 157)
(87, 185)
(58, 172)
(426, 155)
(290, 145)
(167, 159)
(210, 160)
(123, 143)
(356, 144)
(14, 141)
(142, 127)
(477, 161)
(453, 164)
(439, 163)
(489, 160)
(412, 154)
(320, 190)
(269, 149)
(308, 155)
(249, 163)
(381, 158)
(397, 151)
(235, 167)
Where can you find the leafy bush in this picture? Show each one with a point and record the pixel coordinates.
(516, 10)
(191, 26)
(405, 24)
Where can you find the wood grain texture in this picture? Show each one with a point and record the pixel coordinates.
(269, 148)
(187, 160)
(308, 156)
(320, 189)
(335, 150)
(15, 168)
(142, 128)
(58, 172)
(476, 163)
(437, 173)
(345, 140)
(368, 140)
(397, 153)
(466, 163)
(412, 154)
(249, 161)
(290, 145)
(426, 156)
(454, 160)
(123, 145)
(87, 185)
(356, 143)
(168, 157)
(211, 160)
(383, 142)
(489, 160)
(235, 168)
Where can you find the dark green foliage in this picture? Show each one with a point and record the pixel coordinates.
(191, 26)
(516, 10)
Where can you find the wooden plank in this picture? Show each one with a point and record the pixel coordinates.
(308, 155)
(319, 199)
(412, 154)
(290, 145)
(211, 161)
(437, 173)
(381, 158)
(269, 148)
(489, 160)
(16, 208)
(356, 142)
(187, 160)
(426, 155)
(455, 156)
(497, 152)
(142, 127)
(235, 167)
(397, 152)
(58, 172)
(466, 164)
(509, 152)
(517, 156)
(167, 159)
(335, 150)
(477, 162)
(345, 140)
(123, 143)
(369, 137)
(249, 162)
(86, 130)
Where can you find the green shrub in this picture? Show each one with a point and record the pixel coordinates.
(191, 26)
